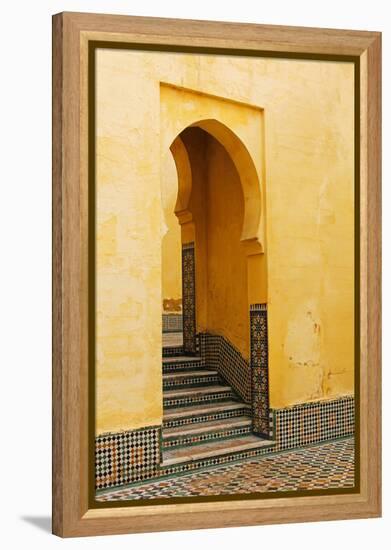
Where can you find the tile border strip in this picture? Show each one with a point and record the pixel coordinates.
(259, 361)
(188, 298)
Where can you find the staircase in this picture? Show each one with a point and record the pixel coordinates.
(204, 421)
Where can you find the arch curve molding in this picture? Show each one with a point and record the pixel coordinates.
(239, 129)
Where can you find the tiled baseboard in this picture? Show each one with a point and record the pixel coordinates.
(219, 354)
(127, 457)
(314, 422)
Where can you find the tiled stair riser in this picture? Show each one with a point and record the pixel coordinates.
(205, 418)
(173, 351)
(205, 437)
(193, 382)
(197, 399)
(178, 366)
(215, 461)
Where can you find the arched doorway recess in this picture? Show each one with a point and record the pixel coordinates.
(223, 260)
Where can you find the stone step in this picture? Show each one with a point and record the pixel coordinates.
(216, 450)
(184, 416)
(184, 358)
(180, 363)
(198, 433)
(212, 425)
(193, 378)
(194, 396)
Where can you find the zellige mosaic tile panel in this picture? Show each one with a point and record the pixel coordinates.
(219, 354)
(314, 422)
(259, 359)
(127, 456)
(188, 297)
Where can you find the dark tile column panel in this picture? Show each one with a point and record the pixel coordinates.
(188, 298)
(259, 360)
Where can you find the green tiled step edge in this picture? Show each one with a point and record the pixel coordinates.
(172, 403)
(207, 437)
(199, 418)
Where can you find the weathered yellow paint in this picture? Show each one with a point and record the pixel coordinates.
(225, 286)
(238, 127)
(227, 300)
(171, 242)
(196, 230)
(297, 124)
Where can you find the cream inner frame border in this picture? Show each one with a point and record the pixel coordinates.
(72, 513)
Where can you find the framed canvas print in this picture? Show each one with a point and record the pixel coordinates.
(216, 268)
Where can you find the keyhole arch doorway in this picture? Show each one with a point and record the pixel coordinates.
(188, 170)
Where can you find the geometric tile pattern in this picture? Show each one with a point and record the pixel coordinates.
(219, 354)
(177, 364)
(127, 456)
(133, 456)
(172, 322)
(326, 466)
(314, 422)
(172, 351)
(197, 399)
(188, 296)
(194, 381)
(259, 359)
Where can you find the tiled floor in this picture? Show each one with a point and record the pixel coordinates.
(326, 466)
(172, 339)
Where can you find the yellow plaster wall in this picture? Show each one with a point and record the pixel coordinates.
(303, 151)
(228, 312)
(171, 242)
(216, 207)
(196, 145)
(129, 227)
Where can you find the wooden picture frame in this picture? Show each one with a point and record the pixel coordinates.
(72, 454)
